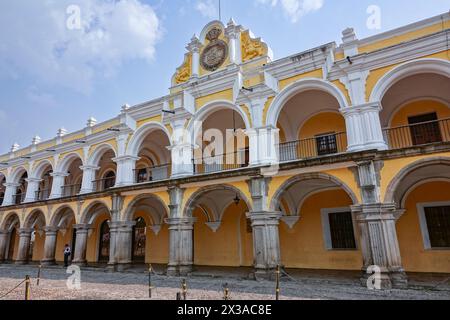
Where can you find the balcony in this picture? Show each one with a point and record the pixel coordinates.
(223, 162)
(18, 198)
(156, 173)
(320, 145)
(70, 190)
(418, 134)
(103, 184)
(42, 195)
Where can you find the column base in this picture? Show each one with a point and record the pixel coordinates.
(123, 267)
(48, 262)
(262, 274)
(179, 271)
(388, 280)
(21, 262)
(80, 263)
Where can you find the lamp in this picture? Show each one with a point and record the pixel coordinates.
(237, 200)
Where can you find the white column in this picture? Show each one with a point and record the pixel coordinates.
(59, 179)
(10, 191)
(182, 164)
(3, 242)
(32, 188)
(355, 134)
(125, 170)
(232, 31)
(82, 232)
(370, 114)
(263, 145)
(88, 176)
(194, 47)
(121, 250)
(181, 247)
(24, 246)
(51, 234)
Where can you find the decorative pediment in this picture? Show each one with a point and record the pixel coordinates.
(184, 72)
(252, 47)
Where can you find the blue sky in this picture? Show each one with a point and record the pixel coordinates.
(127, 51)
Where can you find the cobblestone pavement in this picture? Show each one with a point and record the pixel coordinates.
(133, 285)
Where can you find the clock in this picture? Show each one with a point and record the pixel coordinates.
(215, 53)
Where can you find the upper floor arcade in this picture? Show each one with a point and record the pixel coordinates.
(232, 106)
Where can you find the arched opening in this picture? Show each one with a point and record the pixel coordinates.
(318, 230)
(154, 156)
(222, 142)
(21, 190)
(222, 233)
(422, 191)
(150, 238)
(2, 188)
(311, 125)
(73, 180)
(416, 111)
(104, 242)
(106, 175)
(36, 222)
(11, 225)
(98, 216)
(64, 220)
(45, 185)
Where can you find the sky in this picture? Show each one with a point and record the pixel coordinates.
(56, 70)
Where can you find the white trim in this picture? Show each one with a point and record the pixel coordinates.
(326, 227)
(423, 222)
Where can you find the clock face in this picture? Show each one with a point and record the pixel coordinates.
(214, 55)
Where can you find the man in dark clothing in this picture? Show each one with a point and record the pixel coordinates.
(67, 254)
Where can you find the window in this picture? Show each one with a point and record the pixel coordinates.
(326, 144)
(139, 240)
(142, 175)
(110, 180)
(338, 229)
(425, 129)
(435, 223)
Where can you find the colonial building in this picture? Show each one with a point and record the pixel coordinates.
(345, 163)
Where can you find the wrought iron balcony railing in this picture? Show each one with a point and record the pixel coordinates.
(223, 162)
(42, 195)
(156, 173)
(103, 184)
(70, 190)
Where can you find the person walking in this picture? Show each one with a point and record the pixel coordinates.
(67, 254)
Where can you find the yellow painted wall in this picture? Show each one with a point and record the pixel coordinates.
(151, 119)
(157, 247)
(221, 95)
(222, 248)
(414, 257)
(38, 247)
(62, 240)
(304, 247)
(318, 73)
(400, 118)
(407, 36)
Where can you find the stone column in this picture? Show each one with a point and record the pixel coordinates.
(125, 170)
(82, 232)
(24, 245)
(57, 184)
(181, 250)
(10, 191)
(194, 47)
(88, 176)
(379, 243)
(3, 242)
(232, 31)
(51, 235)
(32, 188)
(263, 145)
(121, 254)
(266, 242)
(378, 235)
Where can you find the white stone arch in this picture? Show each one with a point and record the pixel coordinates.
(66, 161)
(298, 87)
(61, 215)
(92, 211)
(326, 110)
(140, 134)
(96, 155)
(17, 173)
(208, 27)
(410, 68)
(10, 221)
(35, 218)
(39, 170)
(156, 214)
(212, 107)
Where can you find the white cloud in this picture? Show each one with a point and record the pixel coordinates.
(295, 9)
(207, 8)
(38, 42)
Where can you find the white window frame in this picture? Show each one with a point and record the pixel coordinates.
(423, 222)
(326, 229)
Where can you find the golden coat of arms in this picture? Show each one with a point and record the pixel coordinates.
(215, 53)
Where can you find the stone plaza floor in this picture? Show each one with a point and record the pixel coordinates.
(208, 283)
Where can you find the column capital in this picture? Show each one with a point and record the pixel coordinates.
(83, 227)
(180, 221)
(360, 108)
(59, 174)
(50, 230)
(25, 232)
(31, 180)
(376, 211)
(89, 167)
(3, 232)
(264, 217)
(11, 184)
(121, 224)
(125, 158)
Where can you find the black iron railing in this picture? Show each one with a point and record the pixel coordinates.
(223, 162)
(18, 198)
(103, 184)
(322, 145)
(42, 195)
(155, 173)
(418, 134)
(70, 190)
